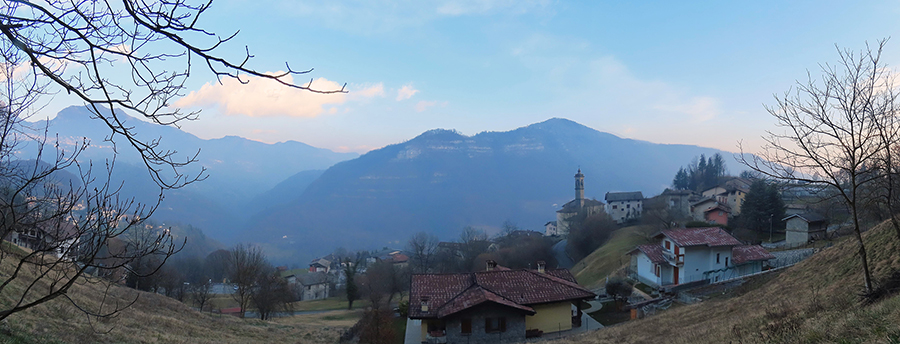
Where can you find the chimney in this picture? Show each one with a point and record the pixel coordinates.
(541, 265)
(424, 300)
(490, 265)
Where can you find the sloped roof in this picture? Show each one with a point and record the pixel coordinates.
(653, 251)
(572, 206)
(719, 206)
(808, 217)
(709, 236)
(623, 196)
(450, 293)
(748, 253)
(312, 278)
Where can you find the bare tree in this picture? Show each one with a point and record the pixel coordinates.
(271, 294)
(63, 210)
(473, 242)
(831, 135)
(83, 47)
(245, 267)
(201, 292)
(423, 247)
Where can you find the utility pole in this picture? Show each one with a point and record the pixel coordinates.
(770, 227)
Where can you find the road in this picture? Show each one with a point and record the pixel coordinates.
(562, 258)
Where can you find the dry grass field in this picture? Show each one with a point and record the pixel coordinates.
(609, 258)
(158, 319)
(815, 301)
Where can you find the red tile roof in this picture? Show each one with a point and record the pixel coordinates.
(653, 251)
(747, 253)
(709, 236)
(450, 293)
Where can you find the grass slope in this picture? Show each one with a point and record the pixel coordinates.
(593, 269)
(155, 319)
(814, 301)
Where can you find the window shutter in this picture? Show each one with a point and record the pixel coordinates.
(466, 326)
(502, 324)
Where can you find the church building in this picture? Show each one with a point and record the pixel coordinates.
(570, 211)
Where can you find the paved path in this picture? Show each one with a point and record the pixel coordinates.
(562, 258)
(413, 331)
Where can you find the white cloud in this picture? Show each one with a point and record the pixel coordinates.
(261, 97)
(406, 92)
(376, 90)
(425, 104)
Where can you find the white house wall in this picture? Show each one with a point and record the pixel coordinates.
(645, 269)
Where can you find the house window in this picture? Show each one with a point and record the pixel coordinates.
(628, 206)
(494, 325)
(668, 247)
(657, 270)
(717, 257)
(726, 261)
(466, 326)
(615, 207)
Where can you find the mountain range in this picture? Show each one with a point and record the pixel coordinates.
(238, 170)
(442, 180)
(300, 202)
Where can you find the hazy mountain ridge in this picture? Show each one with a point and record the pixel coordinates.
(441, 181)
(239, 170)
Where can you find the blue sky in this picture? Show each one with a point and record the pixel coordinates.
(667, 72)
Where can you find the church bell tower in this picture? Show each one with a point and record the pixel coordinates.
(579, 188)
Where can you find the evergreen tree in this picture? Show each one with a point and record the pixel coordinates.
(762, 204)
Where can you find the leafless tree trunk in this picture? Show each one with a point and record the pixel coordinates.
(201, 292)
(246, 265)
(113, 56)
(831, 133)
(423, 247)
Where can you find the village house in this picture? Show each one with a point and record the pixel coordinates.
(309, 286)
(801, 228)
(55, 236)
(731, 193)
(624, 206)
(579, 205)
(710, 210)
(498, 305)
(718, 214)
(679, 201)
(687, 255)
(550, 229)
(320, 265)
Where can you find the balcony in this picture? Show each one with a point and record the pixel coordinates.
(672, 259)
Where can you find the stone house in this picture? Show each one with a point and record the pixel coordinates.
(309, 286)
(498, 305)
(624, 206)
(679, 201)
(689, 255)
(801, 228)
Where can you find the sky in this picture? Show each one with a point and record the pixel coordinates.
(672, 72)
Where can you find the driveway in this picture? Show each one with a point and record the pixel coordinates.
(562, 258)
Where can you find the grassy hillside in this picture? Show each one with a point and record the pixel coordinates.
(814, 301)
(593, 269)
(156, 319)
